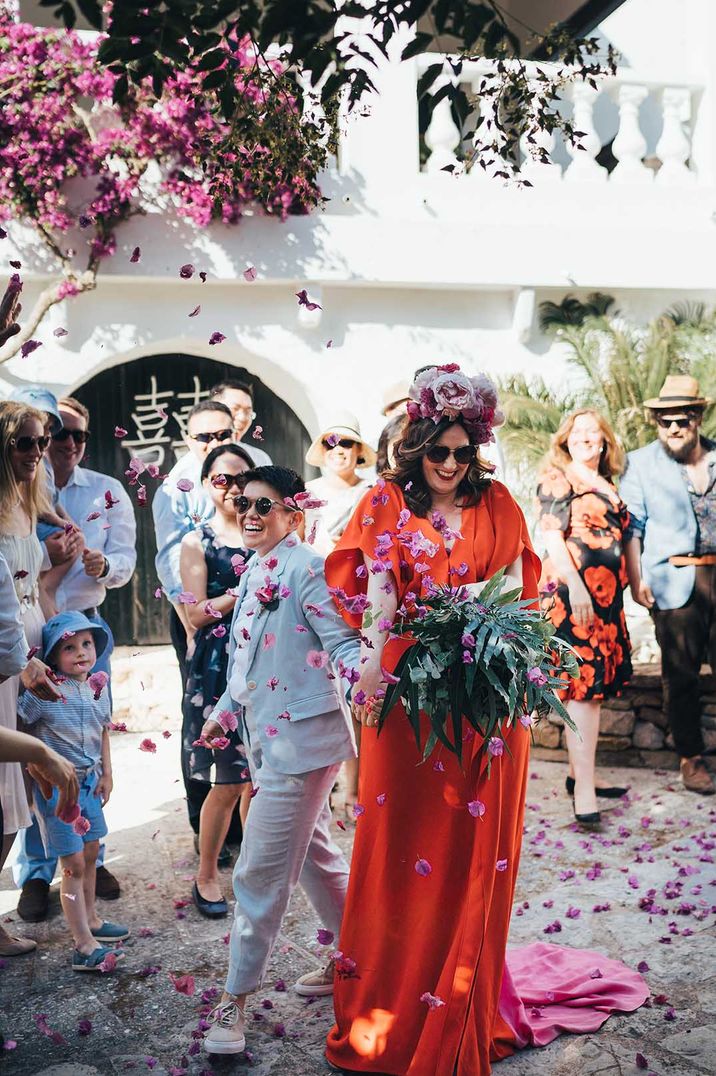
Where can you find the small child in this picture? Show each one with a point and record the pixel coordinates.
(77, 728)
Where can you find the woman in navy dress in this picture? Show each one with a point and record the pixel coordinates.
(211, 560)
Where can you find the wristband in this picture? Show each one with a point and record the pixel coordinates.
(105, 571)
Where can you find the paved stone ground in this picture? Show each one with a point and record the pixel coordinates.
(661, 845)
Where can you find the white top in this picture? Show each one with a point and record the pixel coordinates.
(24, 560)
(331, 520)
(13, 644)
(113, 532)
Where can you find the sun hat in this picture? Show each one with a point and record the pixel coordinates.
(42, 399)
(679, 390)
(398, 392)
(62, 623)
(345, 425)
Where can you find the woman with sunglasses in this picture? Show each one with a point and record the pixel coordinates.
(583, 522)
(208, 556)
(22, 500)
(423, 986)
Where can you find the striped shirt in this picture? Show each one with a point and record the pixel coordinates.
(72, 728)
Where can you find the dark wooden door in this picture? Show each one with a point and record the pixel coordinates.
(150, 398)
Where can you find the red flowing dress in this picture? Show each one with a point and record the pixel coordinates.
(428, 994)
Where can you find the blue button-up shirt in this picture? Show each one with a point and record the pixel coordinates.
(177, 512)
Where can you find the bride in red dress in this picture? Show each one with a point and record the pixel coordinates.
(422, 986)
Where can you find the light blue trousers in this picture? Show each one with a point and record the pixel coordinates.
(286, 841)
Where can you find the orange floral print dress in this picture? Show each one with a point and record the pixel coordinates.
(593, 524)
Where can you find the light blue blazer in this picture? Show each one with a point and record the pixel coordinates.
(661, 514)
(318, 731)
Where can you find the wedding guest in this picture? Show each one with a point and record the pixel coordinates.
(421, 983)
(107, 561)
(583, 522)
(77, 729)
(22, 499)
(670, 491)
(288, 648)
(239, 398)
(389, 436)
(208, 558)
(395, 399)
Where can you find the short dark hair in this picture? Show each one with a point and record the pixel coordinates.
(408, 471)
(286, 482)
(236, 385)
(208, 405)
(224, 450)
(390, 432)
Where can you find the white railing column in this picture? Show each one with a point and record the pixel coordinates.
(674, 147)
(629, 146)
(442, 136)
(584, 166)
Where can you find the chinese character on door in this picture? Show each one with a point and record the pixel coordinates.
(159, 423)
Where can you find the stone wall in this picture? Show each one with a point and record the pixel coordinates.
(633, 729)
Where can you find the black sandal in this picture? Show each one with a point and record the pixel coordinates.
(611, 793)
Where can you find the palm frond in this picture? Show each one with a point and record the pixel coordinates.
(572, 311)
(687, 313)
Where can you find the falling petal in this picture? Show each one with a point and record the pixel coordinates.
(185, 485)
(423, 868)
(183, 984)
(216, 338)
(148, 745)
(195, 311)
(476, 808)
(249, 274)
(59, 332)
(29, 346)
(431, 1000)
(325, 937)
(501, 865)
(136, 255)
(186, 271)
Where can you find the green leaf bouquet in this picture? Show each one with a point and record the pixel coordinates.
(491, 660)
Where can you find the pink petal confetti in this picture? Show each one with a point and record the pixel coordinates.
(84, 1027)
(501, 865)
(186, 598)
(183, 984)
(92, 516)
(317, 659)
(642, 966)
(216, 337)
(98, 682)
(195, 311)
(423, 868)
(70, 814)
(641, 1062)
(432, 1000)
(185, 485)
(29, 346)
(271, 731)
(325, 937)
(148, 746)
(119, 431)
(358, 810)
(228, 720)
(380, 799)
(303, 300)
(59, 331)
(329, 344)
(249, 274)
(109, 963)
(258, 433)
(269, 641)
(186, 272)
(136, 255)
(476, 808)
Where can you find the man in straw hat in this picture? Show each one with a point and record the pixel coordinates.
(670, 491)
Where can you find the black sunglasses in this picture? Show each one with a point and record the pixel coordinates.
(345, 442)
(462, 455)
(80, 437)
(263, 505)
(225, 481)
(207, 438)
(26, 444)
(682, 423)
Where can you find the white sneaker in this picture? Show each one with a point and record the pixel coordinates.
(227, 1034)
(316, 984)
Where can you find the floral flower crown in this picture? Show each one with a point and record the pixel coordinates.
(445, 392)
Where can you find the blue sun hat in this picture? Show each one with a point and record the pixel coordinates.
(40, 398)
(59, 625)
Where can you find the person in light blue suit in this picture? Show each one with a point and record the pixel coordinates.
(289, 651)
(669, 488)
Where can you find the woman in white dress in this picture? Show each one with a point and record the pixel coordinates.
(339, 451)
(22, 498)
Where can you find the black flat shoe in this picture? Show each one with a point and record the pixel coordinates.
(212, 909)
(611, 793)
(592, 821)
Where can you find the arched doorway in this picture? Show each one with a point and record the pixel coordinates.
(150, 397)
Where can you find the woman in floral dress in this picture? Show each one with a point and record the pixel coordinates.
(583, 522)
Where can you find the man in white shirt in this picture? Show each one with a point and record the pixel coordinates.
(239, 398)
(107, 560)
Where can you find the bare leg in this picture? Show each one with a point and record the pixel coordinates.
(214, 824)
(582, 749)
(72, 896)
(90, 884)
(8, 943)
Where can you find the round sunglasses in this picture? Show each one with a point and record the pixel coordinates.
(345, 442)
(26, 444)
(80, 437)
(462, 455)
(207, 438)
(263, 505)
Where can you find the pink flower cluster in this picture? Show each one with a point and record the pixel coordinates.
(62, 167)
(445, 392)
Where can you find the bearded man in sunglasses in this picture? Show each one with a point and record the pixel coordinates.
(670, 490)
(105, 559)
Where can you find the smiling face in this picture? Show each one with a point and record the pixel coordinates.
(24, 461)
(75, 656)
(443, 479)
(242, 409)
(341, 461)
(222, 493)
(213, 424)
(678, 440)
(262, 533)
(586, 440)
(65, 455)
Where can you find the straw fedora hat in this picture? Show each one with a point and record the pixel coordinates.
(345, 425)
(679, 390)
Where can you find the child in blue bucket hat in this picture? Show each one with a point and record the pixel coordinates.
(77, 727)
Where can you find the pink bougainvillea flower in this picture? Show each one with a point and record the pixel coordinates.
(358, 810)
(329, 344)
(431, 1000)
(183, 984)
(195, 311)
(495, 746)
(317, 659)
(84, 1027)
(109, 963)
(501, 865)
(641, 1062)
(59, 331)
(148, 745)
(219, 631)
(325, 937)
(98, 682)
(271, 730)
(136, 255)
(258, 433)
(360, 698)
(526, 720)
(642, 966)
(216, 337)
(476, 808)
(228, 720)
(186, 271)
(186, 598)
(381, 798)
(249, 274)
(303, 300)
(109, 500)
(92, 516)
(185, 485)
(536, 677)
(118, 726)
(70, 814)
(29, 346)
(423, 868)
(596, 974)
(269, 640)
